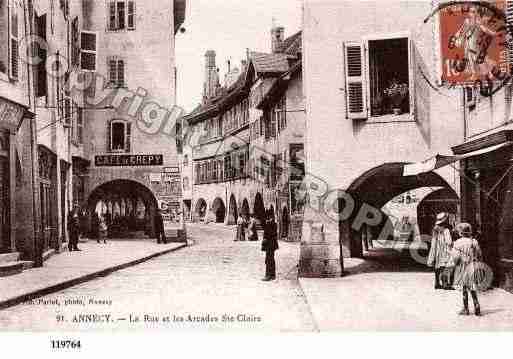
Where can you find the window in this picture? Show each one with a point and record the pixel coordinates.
(121, 15)
(185, 160)
(281, 114)
(185, 183)
(80, 125)
(119, 133)
(116, 72)
(89, 46)
(378, 77)
(4, 31)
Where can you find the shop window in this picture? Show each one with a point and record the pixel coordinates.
(116, 72)
(378, 75)
(121, 15)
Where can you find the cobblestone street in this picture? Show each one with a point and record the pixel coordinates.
(215, 285)
(213, 277)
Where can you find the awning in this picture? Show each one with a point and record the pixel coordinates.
(439, 161)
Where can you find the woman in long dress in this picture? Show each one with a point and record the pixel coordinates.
(253, 234)
(470, 273)
(240, 235)
(440, 251)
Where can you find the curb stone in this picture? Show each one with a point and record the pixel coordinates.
(4, 304)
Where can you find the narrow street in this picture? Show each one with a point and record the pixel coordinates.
(215, 276)
(215, 285)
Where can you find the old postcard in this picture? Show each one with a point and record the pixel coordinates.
(255, 166)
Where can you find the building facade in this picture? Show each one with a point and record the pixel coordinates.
(395, 96)
(242, 138)
(87, 117)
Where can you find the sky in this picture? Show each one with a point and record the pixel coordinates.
(228, 27)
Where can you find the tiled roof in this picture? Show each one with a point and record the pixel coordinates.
(292, 45)
(269, 63)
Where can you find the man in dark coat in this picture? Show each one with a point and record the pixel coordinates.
(269, 246)
(73, 229)
(159, 227)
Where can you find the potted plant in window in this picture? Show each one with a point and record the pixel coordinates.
(396, 93)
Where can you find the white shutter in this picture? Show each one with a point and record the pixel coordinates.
(356, 97)
(13, 43)
(411, 75)
(89, 51)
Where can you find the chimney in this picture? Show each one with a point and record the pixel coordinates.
(277, 37)
(211, 75)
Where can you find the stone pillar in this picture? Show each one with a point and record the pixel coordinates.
(320, 251)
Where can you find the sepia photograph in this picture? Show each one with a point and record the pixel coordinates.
(292, 166)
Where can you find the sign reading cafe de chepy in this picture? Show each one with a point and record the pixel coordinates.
(128, 160)
(473, 38)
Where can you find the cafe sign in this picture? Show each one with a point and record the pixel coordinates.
(128, 160)
(473, 42)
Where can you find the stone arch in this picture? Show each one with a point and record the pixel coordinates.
(200, 210)
(219, 210)
(375, 188)
(259, 208)
(232, 211)
(244, 209)
(107, 198)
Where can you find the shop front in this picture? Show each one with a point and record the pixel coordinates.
(11, 115)
(487, 200)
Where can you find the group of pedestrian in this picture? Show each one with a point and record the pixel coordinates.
(246, 227)
(249, 227)
(457, 263)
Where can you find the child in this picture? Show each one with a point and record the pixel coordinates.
(466, 258)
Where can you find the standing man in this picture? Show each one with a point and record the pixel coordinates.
(74, 228)
(159, 227)
(269, 246)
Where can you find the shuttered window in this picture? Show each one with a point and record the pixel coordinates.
(89, 48)
(355, 81)
(14, 44)
(41, 79)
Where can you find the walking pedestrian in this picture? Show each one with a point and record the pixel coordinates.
(269, 246)
(239, 234)
(253, 234)
(159, 227)
(102, 229)
(440, 251)
(469, 276)
(74, 228)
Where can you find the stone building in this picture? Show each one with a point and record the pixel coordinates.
(88, 117)
(129, 138)
(18, 152)
(241, 137)
(394, 96)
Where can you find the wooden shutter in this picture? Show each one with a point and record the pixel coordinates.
(356, 99)
(131, 15)
(128, 136)
(41, 81)
(108, 137)
(89, 49)
(13, 44)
